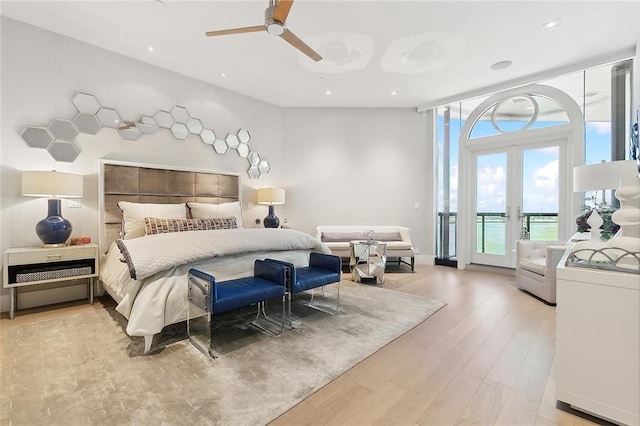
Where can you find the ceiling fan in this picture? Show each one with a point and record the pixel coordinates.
(275, 17)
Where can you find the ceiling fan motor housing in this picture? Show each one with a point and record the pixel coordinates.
(272, 26)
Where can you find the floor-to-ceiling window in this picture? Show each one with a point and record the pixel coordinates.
(448, 127)
(591, 90)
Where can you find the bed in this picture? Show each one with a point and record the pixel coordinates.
(157, 222)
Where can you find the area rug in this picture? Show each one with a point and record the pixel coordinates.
(83, 369)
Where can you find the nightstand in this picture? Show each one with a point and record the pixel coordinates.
(40, 265)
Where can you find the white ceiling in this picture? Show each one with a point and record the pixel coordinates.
(426, 51)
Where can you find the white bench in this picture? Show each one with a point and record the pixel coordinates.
(398, 240)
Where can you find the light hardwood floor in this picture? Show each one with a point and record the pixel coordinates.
(485, 358)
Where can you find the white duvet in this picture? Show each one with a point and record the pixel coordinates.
(160, 263)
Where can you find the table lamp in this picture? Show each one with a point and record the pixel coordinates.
(602, 176)
(54, 230)
(609, 175)
(271, 197)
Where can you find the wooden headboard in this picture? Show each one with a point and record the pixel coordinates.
(143, 183)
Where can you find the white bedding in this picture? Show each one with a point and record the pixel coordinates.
(159, 299)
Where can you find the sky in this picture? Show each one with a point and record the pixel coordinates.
(540, 170)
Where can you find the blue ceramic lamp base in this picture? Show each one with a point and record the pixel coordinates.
(54, 230)
(271, 221)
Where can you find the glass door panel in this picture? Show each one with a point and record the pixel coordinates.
(540, 193)
(491, 205)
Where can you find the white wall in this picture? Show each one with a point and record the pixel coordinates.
(339, 166)
(41, 71)
(358, 167)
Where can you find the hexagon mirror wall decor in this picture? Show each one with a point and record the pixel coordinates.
(64, 151)
(63, 129)
(254, 158)
(164, 119)
(180, 131)
(109, 117)
(208, 136)
(147, 125)
(264, 167)
(220, 146)
(129, 131)
(243, 150)
(59, 136)
(254, 172)
(87, 123)
(244, 136)
(37, 137)
(85, 103)
(180, 114)
(194, 126)
(232, 141)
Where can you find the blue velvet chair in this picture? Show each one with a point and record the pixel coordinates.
(323, 269)
(208, 297)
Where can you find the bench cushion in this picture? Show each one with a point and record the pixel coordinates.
(313, 277)
(241, 292)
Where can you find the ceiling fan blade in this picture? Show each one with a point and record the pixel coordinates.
(236, 31)
(293, 40)
(282, 10)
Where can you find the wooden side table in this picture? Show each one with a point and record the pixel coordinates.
(28, 266)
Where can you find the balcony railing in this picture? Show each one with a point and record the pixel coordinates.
(541, 226)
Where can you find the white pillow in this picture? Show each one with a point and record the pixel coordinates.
(215, 211)
(133, 215)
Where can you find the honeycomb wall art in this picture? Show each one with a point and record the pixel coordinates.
(59, 136)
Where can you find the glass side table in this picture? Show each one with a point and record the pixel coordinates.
(368, 260)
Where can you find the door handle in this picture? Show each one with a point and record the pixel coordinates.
(520, 215)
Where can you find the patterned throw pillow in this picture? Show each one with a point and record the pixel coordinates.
(207, 211)
(154, 225)
(133, 215)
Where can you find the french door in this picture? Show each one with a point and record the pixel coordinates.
(517, 195)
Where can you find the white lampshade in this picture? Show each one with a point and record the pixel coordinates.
(51, 184)
(271, 196)
(605, 175)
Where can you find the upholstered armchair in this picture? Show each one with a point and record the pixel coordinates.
(536, 267)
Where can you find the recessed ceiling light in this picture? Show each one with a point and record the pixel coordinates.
(223, 75)
(552, 24)
(328, 93)
(150, 49)
(159, 2)
(501, 65)
(393, 93)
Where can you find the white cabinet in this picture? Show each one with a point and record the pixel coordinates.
(598, 342)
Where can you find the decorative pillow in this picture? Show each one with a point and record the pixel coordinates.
(333, 237)
(154, 225)
(133, 215)
(388, 236)
(212, 211)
